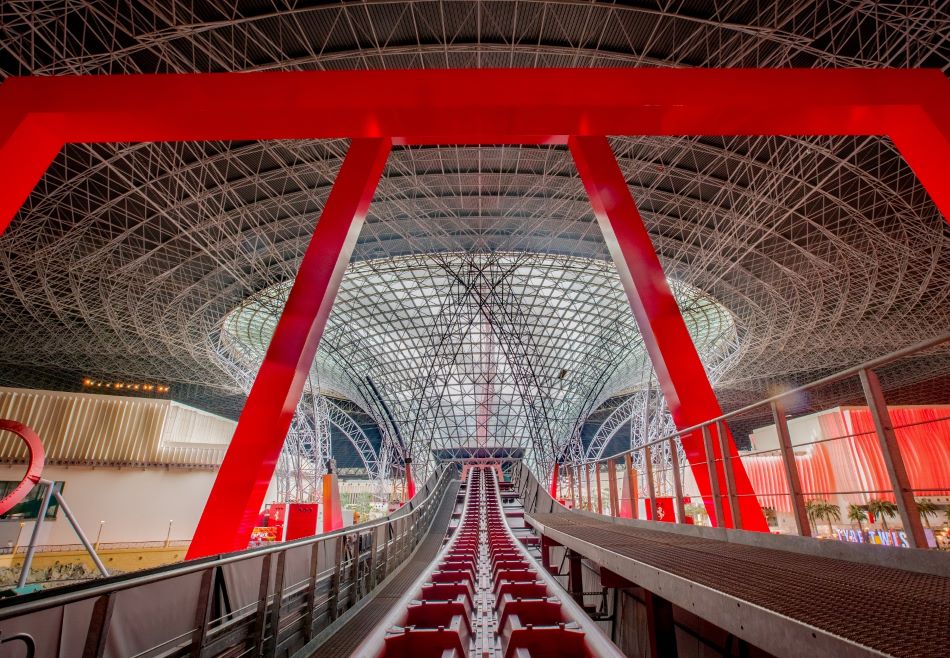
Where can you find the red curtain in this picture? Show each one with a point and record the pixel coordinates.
(853, 461)
(768, 477)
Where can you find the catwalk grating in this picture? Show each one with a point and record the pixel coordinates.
(345, 640)
(897, 612)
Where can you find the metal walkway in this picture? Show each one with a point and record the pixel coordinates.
(775, 598)
(345, 640)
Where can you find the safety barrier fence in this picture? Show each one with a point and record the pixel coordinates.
(264, 601)
(105, 546)
(844, 457)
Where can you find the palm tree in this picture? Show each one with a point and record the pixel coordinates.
(810, 512)
(818, 509)
(698, 512)
(882, 509)
(771, 518)
(927, 508)
(857, 514)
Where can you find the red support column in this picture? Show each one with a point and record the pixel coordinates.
(332, 509)
(682, 378)
(242, 482)
(410, 483)
(554, 479)
(923, 138)
(28, 144)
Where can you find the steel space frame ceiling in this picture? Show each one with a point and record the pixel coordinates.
(128, 259)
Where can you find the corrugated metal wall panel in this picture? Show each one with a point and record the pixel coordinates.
(192, 428)
(82, 428)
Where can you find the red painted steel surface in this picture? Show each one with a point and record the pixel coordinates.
(241, 484)
(487, 106)
(629, 500)
(555, 474)
(38, 115)
(410, 482)
(332, 509)
(679, 370)
(35, 463)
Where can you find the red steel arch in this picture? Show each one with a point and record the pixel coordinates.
(35, 463)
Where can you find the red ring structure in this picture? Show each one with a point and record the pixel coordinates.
(36, 462)
(379, 109)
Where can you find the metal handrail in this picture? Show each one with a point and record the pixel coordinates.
(101, 546)
(14, 608)
(830, 379)
(723, 502)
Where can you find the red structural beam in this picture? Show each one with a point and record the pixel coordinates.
(37, 115)
(332, 509)
(681, 375)
(379, 108)
(241, 485)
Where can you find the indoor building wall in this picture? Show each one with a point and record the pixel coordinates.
(136, 504)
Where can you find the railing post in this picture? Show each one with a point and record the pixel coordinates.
(260, 617)
(651, 488)
(276, 602)
(612, 495)
(590, 499)
(333, 600)
(799, 511)
(371, 565)
(570, 484)
(399, 528)
(677, 482)
(311, 595)
(727, 469)
(600, 502)
(632, 486)
(891, 452)
(97, 635)
(713, 477)
(387, 531)
(580, 486)
(355, 570)
(205, 592)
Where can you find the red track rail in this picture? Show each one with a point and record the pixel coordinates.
(485, 596)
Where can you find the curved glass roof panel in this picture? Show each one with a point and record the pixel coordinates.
(481, 350)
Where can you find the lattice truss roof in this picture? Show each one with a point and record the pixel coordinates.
(485, 350)
(817, 253)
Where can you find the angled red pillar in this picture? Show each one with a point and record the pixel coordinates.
(629, 497)
(682, 378)
(332, 510)
(242, 481)
(28, 144)
(410, 483)
(554, 477)
(923, 137)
